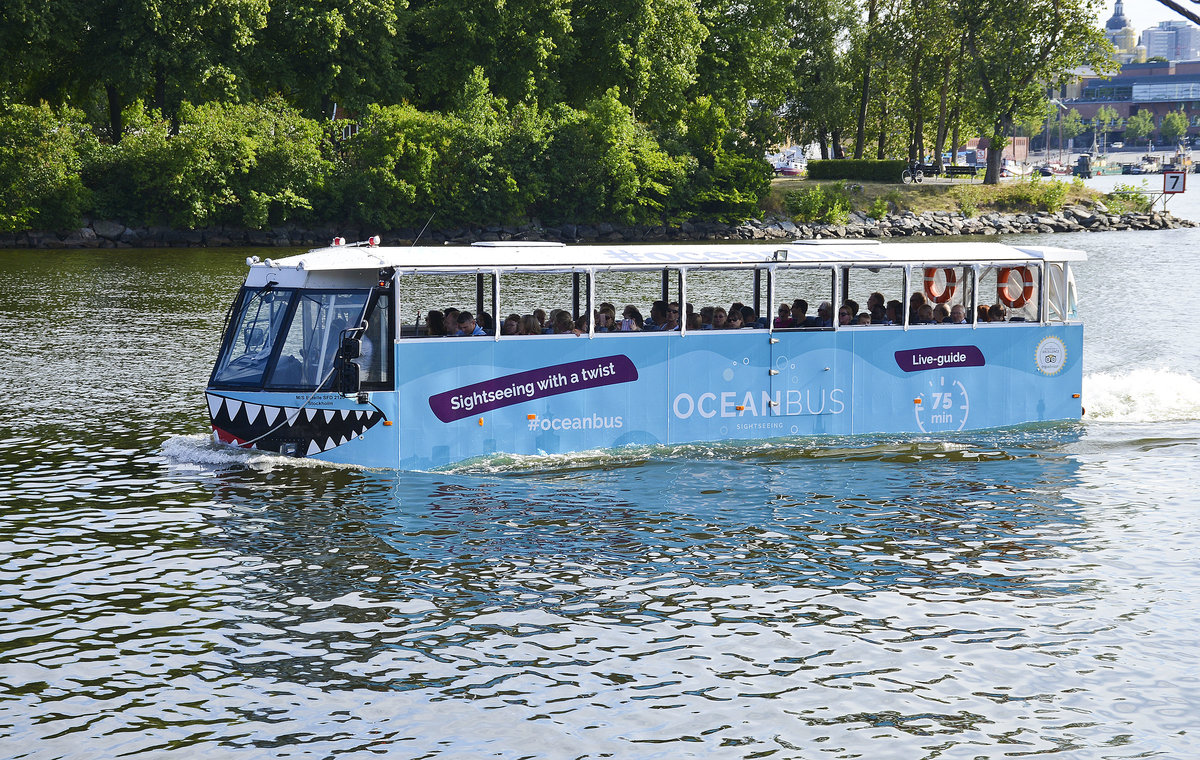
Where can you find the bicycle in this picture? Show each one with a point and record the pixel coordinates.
(912, 174)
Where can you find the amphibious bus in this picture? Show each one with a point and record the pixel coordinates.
(418, 357)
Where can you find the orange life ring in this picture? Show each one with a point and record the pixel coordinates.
(1026, 287)
(931, 289)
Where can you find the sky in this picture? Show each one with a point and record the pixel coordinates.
(1143, 14)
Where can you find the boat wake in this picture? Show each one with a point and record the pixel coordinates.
(201, 453)
(1141, 395)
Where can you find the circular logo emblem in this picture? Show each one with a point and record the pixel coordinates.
(1051, 356)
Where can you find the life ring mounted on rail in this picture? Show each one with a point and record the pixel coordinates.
(1025, 283)
(931, 287)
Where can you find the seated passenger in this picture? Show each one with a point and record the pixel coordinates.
(631, 319)
(451, 320)
(706, 315)
(784, 320)
(720, 320)
(485, 321)
(800, 316)
(825, 314)
(671, 321)
(941, 314)
(529, 326)
(564, 325)
(981, 314)
(852, 306)
(435, 324)
(606, 319)
(749, 318)
(658, 315)
(925, 315)
(844, 316)
(958, 314)
(873, 300)
(879, 316)
(540, 316)
(695, 322)
(894, 313)
(996, 313)
(511, 325)
(735, 321)
(864, 318)
(467, 325)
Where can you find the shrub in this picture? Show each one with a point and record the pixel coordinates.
(820, 203)
(1126, 198)
(41, 160)
(860, 169)
(251, 165)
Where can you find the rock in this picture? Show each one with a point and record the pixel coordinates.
(109, 230)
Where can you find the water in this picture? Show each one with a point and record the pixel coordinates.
(1024, 593)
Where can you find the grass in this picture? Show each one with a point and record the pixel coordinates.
(971, 199)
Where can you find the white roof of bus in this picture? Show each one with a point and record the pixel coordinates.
(507, 256)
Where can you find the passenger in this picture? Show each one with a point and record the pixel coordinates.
(529, 326)
(875, 299)
(784, 320)
(825, 314)
(485, 321)
(540, 316)
(941, 314)
(582, 324)
(511, 326)
(631, 319)
(435, 324)
(451, 320)
(720, 320)
(895, 313)
(925, 315)
(749, 318)
(852, 306)
(563, 324)
(981, 314)
(606, 305)
(695, 322)
(879, 316)
(671, 321)
(844, 316)
(706, 315)
(800, 316)
(736, 321)
(658, 317)
(467, 325)
(915, 302)
(958, 314)
(996, 313)
(864, 318)
(606, 319)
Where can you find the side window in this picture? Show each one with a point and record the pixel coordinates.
(251, 337)
(942, 295)
(430, 304)
(375, 361)
(725, 298)
(1010, 294)
(312, 339)
(631, 295)
(809, 296)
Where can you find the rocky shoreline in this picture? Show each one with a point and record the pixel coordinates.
(1096, 218)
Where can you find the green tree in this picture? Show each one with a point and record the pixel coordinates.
(1017, 48)
(41, 159)
(821, 102)
(1173, 128)
(324, 52)
(1139, 126)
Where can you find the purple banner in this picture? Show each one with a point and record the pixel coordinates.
(530, 385)
(939, 358)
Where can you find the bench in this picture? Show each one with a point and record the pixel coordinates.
(960, 171)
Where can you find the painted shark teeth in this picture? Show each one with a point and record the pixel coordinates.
(268, 427)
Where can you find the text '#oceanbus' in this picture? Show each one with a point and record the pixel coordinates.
(417, 357)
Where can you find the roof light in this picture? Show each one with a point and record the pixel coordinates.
(339, 241)
(373, 241)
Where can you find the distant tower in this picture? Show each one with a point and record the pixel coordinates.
(1121, 34)
(1118, 20)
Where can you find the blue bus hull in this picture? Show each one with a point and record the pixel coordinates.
(561, 394)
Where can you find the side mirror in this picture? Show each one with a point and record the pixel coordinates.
(347, 377)
(351, 347)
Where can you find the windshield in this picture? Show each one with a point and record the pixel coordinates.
(250, 339)
(312, 339)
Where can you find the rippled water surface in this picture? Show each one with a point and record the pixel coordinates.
(1030, 592)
